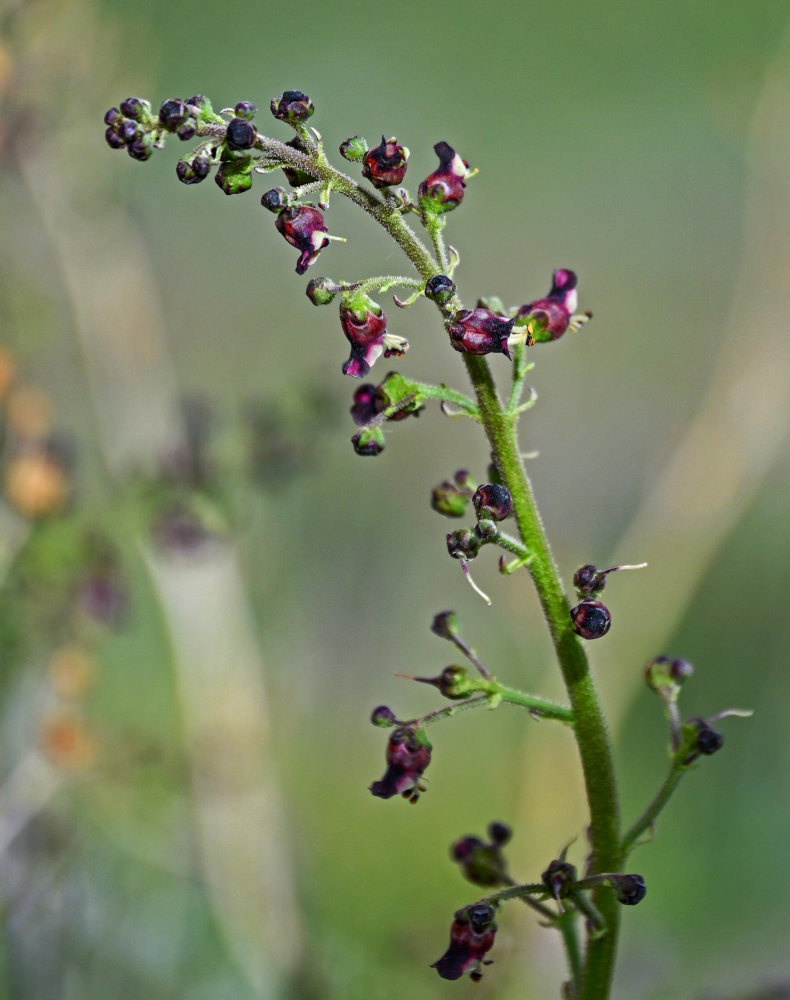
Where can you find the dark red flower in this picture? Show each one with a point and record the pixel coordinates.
(550, 317)
(443, 190)
(386, 164)
(408, 755)
(480, 331)
(364, 323)
(303, 227)
(471, 936)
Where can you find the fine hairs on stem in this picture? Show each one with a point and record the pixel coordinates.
(582, 905)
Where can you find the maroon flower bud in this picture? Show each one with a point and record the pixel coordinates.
(559, 878)
(707, 740)
(303, 227)
(114, 141)
(240, 134)
(201, 165)
(364, 323)
(500, 833)
(136, 108)
(588, 580)
(481, 864)
(173, 113)
(385, 165)
(471, 937)
(294, 175)
(369, 441)
(186, 131)
(591, 619)
(185, 173)
(111, 116)
(480, 331)
(142, 148)
(383, 716)
(443, 190)
(445, 624)
(408, 755)
(629, 889)
(245, 109)
(450, 499)
(492, 500)
(275, 199)
(353, 149)
(128, 130)
(369, 401)
(440, 289)
(463, 544)
(550, 317)
(201, 103)
(292, 106)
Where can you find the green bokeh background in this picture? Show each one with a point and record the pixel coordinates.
(647, 147)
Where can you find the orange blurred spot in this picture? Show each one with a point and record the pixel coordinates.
(29, 413)
(36, 484)
(7, 371)
(66, 743)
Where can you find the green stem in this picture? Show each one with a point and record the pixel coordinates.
(591, 733)
(648, 817)
(566, 924)
(547, 709)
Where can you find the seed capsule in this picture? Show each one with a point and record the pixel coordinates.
(591, 619)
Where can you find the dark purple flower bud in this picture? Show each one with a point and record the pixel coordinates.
(471, 937)
(629, 889)
(708, 740)
(136, 108)
(142, 148)
(450, 500)
(492, 500)
(481, 864)
(408, 755)
(385, 165)
(559, 878)
(364, 323)
(173, 113)
(128, 130)
(439, 289)
(443, 190)
(292, 106)
(201, 102)
(295, 176)
(591, 619)
(549, 318)
(486, 530)
(112, 116)
(665, 675)
(368, 441)
(241, 134)
(480, 331)
(245, 109)
(185, 173)
(114, 141)
(588, 580)
(275, 199)
(369, 401)
(353, 149)
(303, 227)
(445, 624)
(187, 131)
(500, 833)
(383, 716)
(201, 165)
(463, 544)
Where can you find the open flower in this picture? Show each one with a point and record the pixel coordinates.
(443, 190)
(303, 227)
(408, 755)
(480, 331)
(471, 936)
(550, 317)
(364, 323)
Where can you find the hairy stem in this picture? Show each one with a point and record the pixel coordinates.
(648, 817)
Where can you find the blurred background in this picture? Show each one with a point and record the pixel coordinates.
(205, 591)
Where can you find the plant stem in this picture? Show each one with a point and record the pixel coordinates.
(648, 817)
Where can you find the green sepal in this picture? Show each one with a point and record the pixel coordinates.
(402, 393)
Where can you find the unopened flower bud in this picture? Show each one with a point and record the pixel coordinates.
(665, 675)
(463, 544)
(292, 106)
(493, 501)
(629, 889)
(142, 148)
(480, 331)
(559, 878)
(368, 441)
(500, 833)
(702, 738)
(443, 190)
(234, 178)
(383, 716)
(453, 682)
(173, 113)
(245, 109)
(187, 131)
(449, 499)
(368, 402)
(240, 134)
(385, 164)
(136, 108)
(275, 199)
(591, 619)
(353, 149)
(445, 624)
(439, 289)
(114, 141)
(481, 864)
(112, 116)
